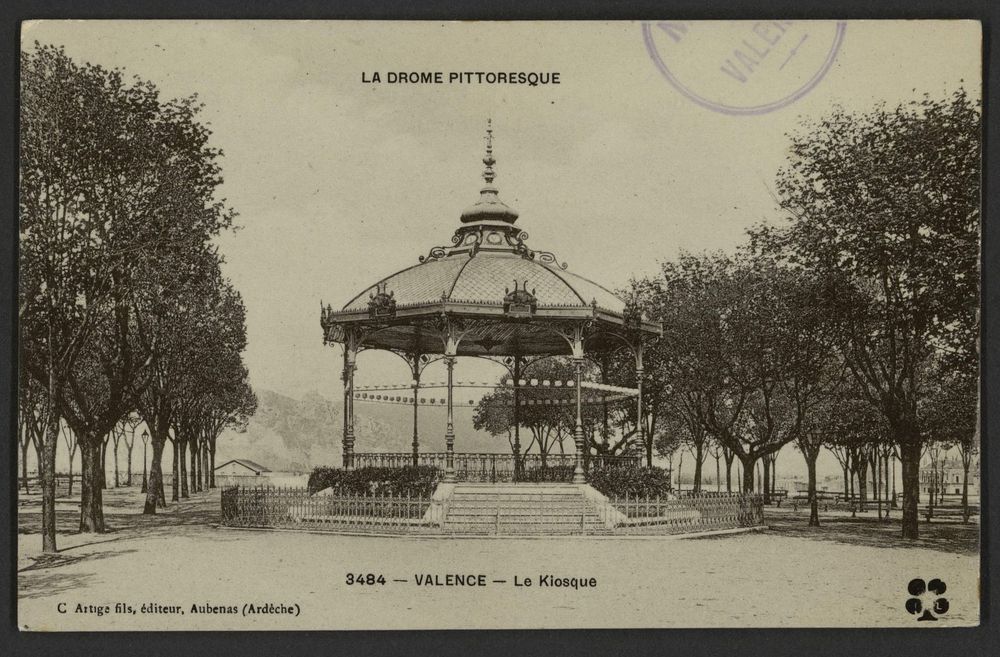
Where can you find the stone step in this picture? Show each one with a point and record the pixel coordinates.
(486, 516)
(532, 530)
(516, 487)
(513, 517)
(516, 498)
(521, 513)
(518, 504)
(507, 525)
(525, 496)
(539, 509)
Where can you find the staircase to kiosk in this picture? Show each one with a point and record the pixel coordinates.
(528, 509)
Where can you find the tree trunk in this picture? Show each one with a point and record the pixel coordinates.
(892, 466)
(202, 469)
(200, 474)
(47, 474)
(211, 466)
(182, 453)
(862, 471)
(728, 456)
(69, 492)
(154, 487)
(813, 497)
(117, 478)
(931, 489)
(103, 464)
(966, 464)
(885, 484)
(767, 480)
(182, 456)
(175, 484)
(698, 458)
(128, 476)
(91, 484)
(876, 490)
(748, 474)
(24, 468)
(943, 489)
(189, 471)
(718, 475)
(847, 491)
(193, 449)
(909, 456)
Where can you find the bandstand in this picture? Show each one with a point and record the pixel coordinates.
(487, 295)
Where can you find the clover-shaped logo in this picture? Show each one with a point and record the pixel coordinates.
(927, 599)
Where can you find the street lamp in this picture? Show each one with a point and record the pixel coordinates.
(145, 439)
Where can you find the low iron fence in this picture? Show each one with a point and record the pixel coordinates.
(488, 467)
(690, 513)
(273, 479)
(295, 508)
(268, 506)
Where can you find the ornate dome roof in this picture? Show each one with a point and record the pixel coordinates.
(486, 277)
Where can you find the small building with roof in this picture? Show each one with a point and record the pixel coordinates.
(241, 468)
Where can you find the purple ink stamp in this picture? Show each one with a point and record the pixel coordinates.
(743, 67)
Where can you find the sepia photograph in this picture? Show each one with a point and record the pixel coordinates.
(374, 325)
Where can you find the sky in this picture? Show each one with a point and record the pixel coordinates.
(339, 182)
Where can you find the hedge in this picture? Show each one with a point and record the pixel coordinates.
(548, 473)
(420, 481)
(417, 481)
(618, 482)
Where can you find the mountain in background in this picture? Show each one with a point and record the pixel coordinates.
(289, 434)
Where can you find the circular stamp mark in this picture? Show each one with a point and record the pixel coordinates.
(743, 67)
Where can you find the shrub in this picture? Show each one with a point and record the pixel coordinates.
(642, 482)
(417, 481)
(548, 473)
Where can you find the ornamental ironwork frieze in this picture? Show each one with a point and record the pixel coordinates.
(519, 303)
(381, 304)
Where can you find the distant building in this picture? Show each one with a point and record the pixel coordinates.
(946, 477)
(241, 468)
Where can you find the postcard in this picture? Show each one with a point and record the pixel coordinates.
(385, 325)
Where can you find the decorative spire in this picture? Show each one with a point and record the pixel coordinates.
(489, 175)
(489, 207)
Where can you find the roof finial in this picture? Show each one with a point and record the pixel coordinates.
(489, 207)
(489, 174)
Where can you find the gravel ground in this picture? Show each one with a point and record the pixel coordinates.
(847, 573)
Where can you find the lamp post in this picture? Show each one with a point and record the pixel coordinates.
(145, 439)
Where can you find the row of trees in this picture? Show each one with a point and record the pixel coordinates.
(30, 432)
(851, 326)
(124, 314)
